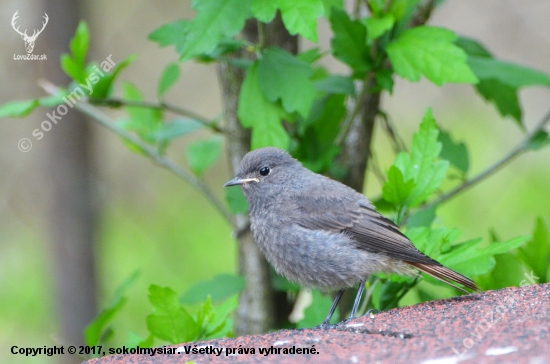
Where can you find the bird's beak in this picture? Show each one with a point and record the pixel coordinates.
(240, 181)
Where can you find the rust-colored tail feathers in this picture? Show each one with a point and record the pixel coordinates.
(445, 274)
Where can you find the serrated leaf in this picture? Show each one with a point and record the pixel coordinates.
(300, 17)
(470, 260)
(19, 108)
(224, 47)
(350, 42)
(536, 253)
(378, 26)
(420, 164)
(168, 78)
(256, 112)
(202, 154)
(169, 321)
(284, 77)
(430, 51)
(174, 33)
(236, 201)
(216, 20)
(336, 84)
(455, 153)
(396, 190)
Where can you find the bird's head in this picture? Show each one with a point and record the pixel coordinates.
(264, 171)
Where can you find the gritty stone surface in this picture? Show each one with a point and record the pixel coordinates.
(511, 325)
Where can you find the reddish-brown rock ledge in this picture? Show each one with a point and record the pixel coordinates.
(511, 325)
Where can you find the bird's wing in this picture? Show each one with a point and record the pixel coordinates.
(355, 216)
(352, 214)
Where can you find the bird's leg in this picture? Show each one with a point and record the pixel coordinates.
(357, 299)
(333, 308)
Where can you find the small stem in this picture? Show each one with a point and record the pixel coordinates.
(151, 152)
(522, 147)
(262, 35)
(117, 102)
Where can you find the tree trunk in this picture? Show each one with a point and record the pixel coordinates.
(256, 311)
(72, 214)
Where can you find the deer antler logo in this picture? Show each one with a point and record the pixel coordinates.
(29, 41)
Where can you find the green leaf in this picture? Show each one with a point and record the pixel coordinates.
(470, 260)
(422, 218)
(216, 20)
(264, 10)
(284, 77)
(104, 88)
(300, 17)
(536, 253)
(174, 33)
(350, 42)
(221, 324)
(262, 116)
(134, 340)
(329, 4)
(317, 311)
(430, 51)
(169, 321)
(74, 65)
(219, 288)
(236, 201)
(175, 129)
(80, 44)
(336, 84)
(93, 332)
(202, 154)
(317, 133)
(224, 47)
(310, 56)
(169, 77)
(507, 273)
(378, 26)
(538, 141)
(508, 73)
(420, 164)
(143, 120)
(18, 109)
(505, 97)
(455, 153)
(472, 47)
(396, 190)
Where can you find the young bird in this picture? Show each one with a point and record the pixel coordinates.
(321, 233)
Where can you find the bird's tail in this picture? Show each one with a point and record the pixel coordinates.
(445, 274)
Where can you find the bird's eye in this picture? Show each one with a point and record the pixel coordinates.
(264, 171)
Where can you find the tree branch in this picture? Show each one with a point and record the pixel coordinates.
(117, 102)
(151, 152)
(522, 147)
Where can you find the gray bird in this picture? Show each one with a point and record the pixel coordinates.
(323, 234)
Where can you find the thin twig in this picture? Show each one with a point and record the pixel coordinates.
(151, 152)
(117, 102)
(522, 147)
